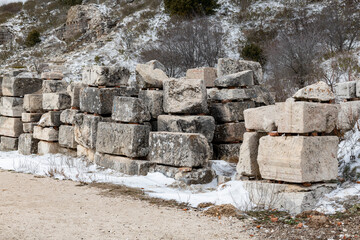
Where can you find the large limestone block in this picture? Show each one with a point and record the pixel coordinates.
(179, 149)
(248, 165)
(240, 79)
(227, 152)
(306, 117)
(46, 134)
(349, 113)
(123, 139)
(11, 127)
(123, 164)
(130, 110)
(20, 85)
(229, 132)
(33, 102)
(298, 159)
(67, 136)
(207, 74)
(215, 94)
(30, 117)
(50, 119)
(54, 86)
(262, 95)
(228, 66)
(27, 144)
(187, 124)
(230, 111)
(86, 129)
(52, 75)
(153, 99)
(11, 106)
(68, 116)
(9, 144)
(262, 119)
(29, 127)
(88, 154)
(346, 90)
(56, 101)
(106, 76)
(318, 92)
(98, 100)
(185, 96)
(74, 90)
(150, 75)
(45, 147)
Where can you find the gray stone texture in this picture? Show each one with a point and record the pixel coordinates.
(11, 127)
(239, 79)
(150, 75)
(56, 101)
(261, 119)
(50, 119)
(215, 94)
(349, 113)
(227, 152)
(229, 132)
(86, 153)
(27, 144)
(229, 112)
(317, 92)
(9, 144)
(86, 129)
(19, 86)
(74, 90)
(68, 116)
(106, 76)
(130, 110)
(45, 147)
(11, 106)
(33, 102)
(46, 134)
(67, 137)
(29, 127)
(54, 86)
(346, 90)
(52, 75)
(30, 117)
(207, 74)
(153, 99)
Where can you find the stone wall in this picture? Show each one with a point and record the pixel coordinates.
(6, 35)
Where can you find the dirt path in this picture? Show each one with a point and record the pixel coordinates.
(44, 208)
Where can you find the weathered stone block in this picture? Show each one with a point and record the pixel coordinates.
(263, 96)
(74, 90)
(29, 127)
(20, 85)
(306, 117)
(50, 119)
(229, 112)
(248, 165)
(33, 102)
(1, 78)
(56, 101)
(150, 75)
(239, 79)
(227, 152)
(317, 92)
(123, 164)
(11, 106)
(68, 116)
(11, 127)
(229, 132)
(228, 66)
(262, 119)
(52, 76)
(30, 117)
(187, 124)
(67, 136)
(27, 144)
(129, 109)
(9, 144)
(349, 113)
(48, 148)
(88, 154)
(179, 149)
(68, 151)
(54, 86)
(105, 76)
(123, 139)
(357, 88)
(46, 134)
(346, 90)
(153, 99)
(298, 159)
(86, 129)
(185, 96)
(207, 74)
(215, 94)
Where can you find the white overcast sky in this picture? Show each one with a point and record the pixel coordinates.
(2, 2)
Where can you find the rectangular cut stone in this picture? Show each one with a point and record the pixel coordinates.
(248, 165)
(261, 119)
(207, 74)
(185, 96)
(68, 152)
(27, 144)
(50, 119)
(56, 101)
(123, 164)
(46, 134)
(358, 88)
(67, 136)
(106, 76)
(33, 102)
(74, 90)
(54, 86)
(306, 117)
(229, 112)
(45, 147)
(88, 154)
(130, 109)
(11, 127)
(123, 139)
(215, 94)
(298, 159)
(11, 106)
(68, 116)
(19, 86)
(227, 152)
(179, 149)
(30, 117)
(9, 144)
(153, 99)
(86, 129)
(239, 79)
(349, 113)
(229, 132)
(150, 75)
(204, 125)
(29, 127)
(346, 90)
(52, 75)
